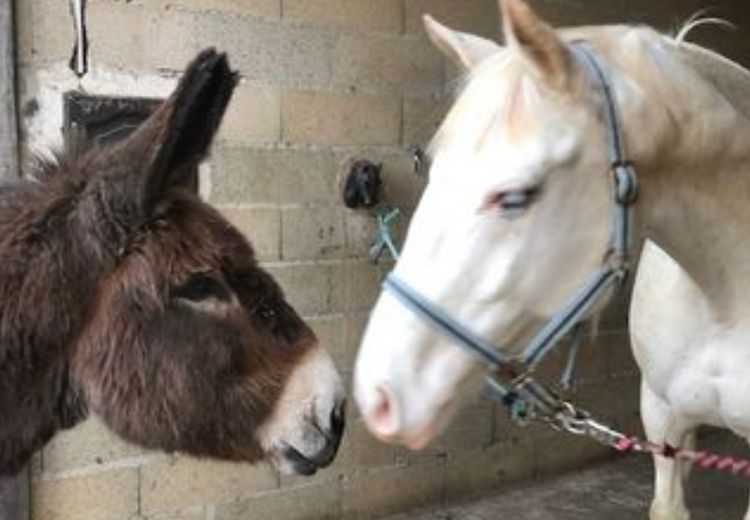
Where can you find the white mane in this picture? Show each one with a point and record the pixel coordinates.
(698, 20)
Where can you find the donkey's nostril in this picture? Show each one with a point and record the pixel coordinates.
(384, 416)
(338, 421)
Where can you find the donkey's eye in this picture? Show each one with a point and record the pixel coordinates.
(511, 203)
(201, 287)
(265, 310)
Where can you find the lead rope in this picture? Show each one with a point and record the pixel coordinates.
(736, 466)
(576, 421)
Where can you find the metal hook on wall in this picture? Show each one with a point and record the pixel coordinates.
(419, 159)
(384, 240)
(362, 189)
(79, 60)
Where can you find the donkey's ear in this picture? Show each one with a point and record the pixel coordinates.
(538, 44)
(188, 121)
(463, 49)
(158, 156)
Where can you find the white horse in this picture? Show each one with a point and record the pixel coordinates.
(529, 122)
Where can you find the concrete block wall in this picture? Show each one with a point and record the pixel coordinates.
(322, 81)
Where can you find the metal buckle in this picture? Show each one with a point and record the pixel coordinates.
(579, 422)
(571, 419)
(626, 183)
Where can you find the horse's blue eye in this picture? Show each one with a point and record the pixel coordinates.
(511, 203)
(201, 287)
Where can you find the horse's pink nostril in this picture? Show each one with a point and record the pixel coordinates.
(384, 416)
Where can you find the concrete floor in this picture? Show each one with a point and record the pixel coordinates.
(617, 490)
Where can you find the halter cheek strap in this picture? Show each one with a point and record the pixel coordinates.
(623, 171)
(615, 269)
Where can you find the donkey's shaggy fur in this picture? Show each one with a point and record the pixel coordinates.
(123, 294)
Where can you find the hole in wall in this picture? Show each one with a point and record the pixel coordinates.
(92, 121)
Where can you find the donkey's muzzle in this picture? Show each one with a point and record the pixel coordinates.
(307, 466)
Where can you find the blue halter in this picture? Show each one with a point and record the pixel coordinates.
(509, 377)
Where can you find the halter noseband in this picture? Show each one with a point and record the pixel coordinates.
(509, 376)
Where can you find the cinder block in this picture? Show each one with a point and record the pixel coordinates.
(356, 15)
(101, 496)
(35, 465)
(309, 287)
(190, 513)
(309, 502)
(261, 226)
(24, 33)
(331, 331)
(313, 233)
(167, 39)
(266, 9)
(361, 231)
(361, 287)
(386, 62)
(280, 176)
(599, 358)
(488, 469)
(615, 402)
(613, 317)
(253, 115)
(360, 450)
(403, 186)
(178, 482)
(354, 330)
(476, 16)
(620, 360)
(89, 443)
(51, 39)
(144, 39)
(330, 118)
(590, 365)
(471, 428)
(422, 118)
(269, 52)
(565, 452)
(372, 494)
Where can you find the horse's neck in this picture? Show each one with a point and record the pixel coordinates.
(696, 196)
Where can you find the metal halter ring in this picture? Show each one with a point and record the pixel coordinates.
(626, 183)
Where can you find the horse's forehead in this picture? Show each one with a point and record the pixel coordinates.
(488, 95)
(504, 117)
(499, 142)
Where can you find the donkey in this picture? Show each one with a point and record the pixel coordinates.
(124, 295)
(516, 217)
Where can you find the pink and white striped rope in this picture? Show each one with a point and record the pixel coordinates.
(701, 459)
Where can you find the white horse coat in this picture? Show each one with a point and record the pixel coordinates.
(529, 119)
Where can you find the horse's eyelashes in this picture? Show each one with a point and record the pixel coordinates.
(512, 202)
(201, 287)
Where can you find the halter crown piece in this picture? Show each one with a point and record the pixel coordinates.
(510, 378)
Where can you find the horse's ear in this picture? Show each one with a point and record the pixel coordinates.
(463, 49)
(158, 156)
(538, 44)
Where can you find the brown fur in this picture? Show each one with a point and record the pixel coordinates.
(123, 294)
